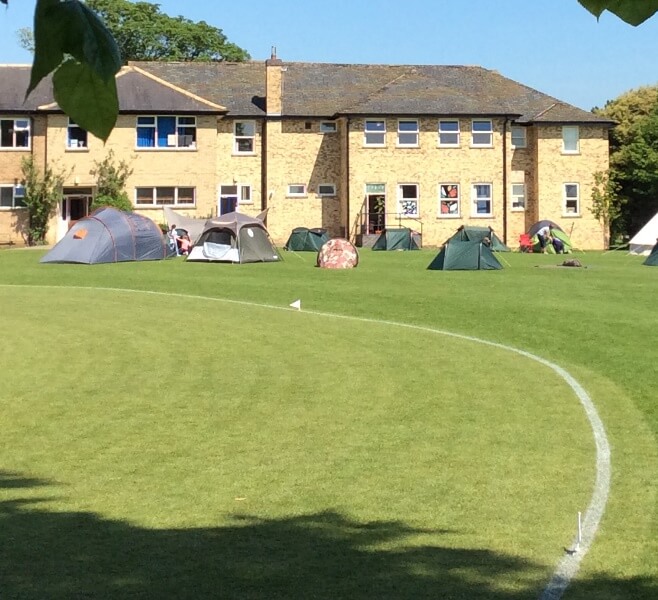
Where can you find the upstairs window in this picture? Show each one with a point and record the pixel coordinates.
(482, 133)
(11, 196)
(244, 134)
(519, 137)
(328, 127)
(408, 199)
(76, 137)
(482, 204)
(297, 190)
(14, 133)
(449, 200)
(449, 133)
(166, 132)
(375, 133)
(570, 140)
(408, 133)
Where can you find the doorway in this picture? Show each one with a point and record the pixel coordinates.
(376, 213)
(74, 205)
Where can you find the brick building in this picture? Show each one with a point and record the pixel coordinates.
(352, 148)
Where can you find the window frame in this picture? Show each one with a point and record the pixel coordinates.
(524, 132)
(475, 199)
(291, 194)
(382, 133)
(456, 144)
(444, 197)
(157, 129)
(154, 196)
(327, 194)
(514, 197)
(475, 133)
(242, 137)
(72, 126)
(14, 129)
(14, 196)
(328, 127)
(401, 199)
(414, 133)
(565, 129)
(566, 198)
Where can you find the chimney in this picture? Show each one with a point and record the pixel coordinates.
(273, 84)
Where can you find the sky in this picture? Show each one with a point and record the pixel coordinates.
(554, 46)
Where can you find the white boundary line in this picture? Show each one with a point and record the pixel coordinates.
(568, 567)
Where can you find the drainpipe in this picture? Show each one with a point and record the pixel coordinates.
(263, 168)
(505, 180)
(347, 178)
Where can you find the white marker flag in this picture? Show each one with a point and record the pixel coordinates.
(297, 304)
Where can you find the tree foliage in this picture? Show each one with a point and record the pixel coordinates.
(607, 204)
(634, 153)
(43, 190)
(143, 32)
(111, 178)
(631, 11)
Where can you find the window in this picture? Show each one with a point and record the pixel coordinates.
(449, 200)
(481, 132)
(449, 133)
(570, 140)
(166, 132)
(571, 199)
(375, 133)
(14, 133)
(481, 194)
(328, 127)
(76, 137)
(408, 133)
(244, 133)
(12, 196)
(408, 199)
(326, 189)
(519, 137)
(231, 196)
(297, 189)
(518, 196)
(165, 195)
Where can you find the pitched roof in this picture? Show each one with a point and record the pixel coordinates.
(138, 91)
(326, 90)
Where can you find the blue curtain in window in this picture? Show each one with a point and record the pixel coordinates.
(166, 126)
(145, 137)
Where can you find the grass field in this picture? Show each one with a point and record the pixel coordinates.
(175, 430)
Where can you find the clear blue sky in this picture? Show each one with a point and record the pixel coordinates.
(555, 46)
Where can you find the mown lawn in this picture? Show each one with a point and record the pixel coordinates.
(215, 443)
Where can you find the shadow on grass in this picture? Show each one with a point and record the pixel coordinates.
(53, 555)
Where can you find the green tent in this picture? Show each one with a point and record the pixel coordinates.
(466, 233)
(652, 259)
(303, 239)
(398, 239)
(457, 255)
(550, 249)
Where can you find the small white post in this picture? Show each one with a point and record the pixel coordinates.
(580, 531)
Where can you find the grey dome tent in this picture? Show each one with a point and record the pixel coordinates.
(558, 232)
(467, 233)
(457, 255)
(303, 239)
(398, 239)
(235, 238)
(110, 235)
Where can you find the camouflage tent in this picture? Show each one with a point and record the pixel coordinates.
(338, 253)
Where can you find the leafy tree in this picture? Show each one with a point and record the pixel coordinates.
(634, 155)
(631, 11)
(607, 204)
(111, 181)
(43, 190)
(143, 32)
